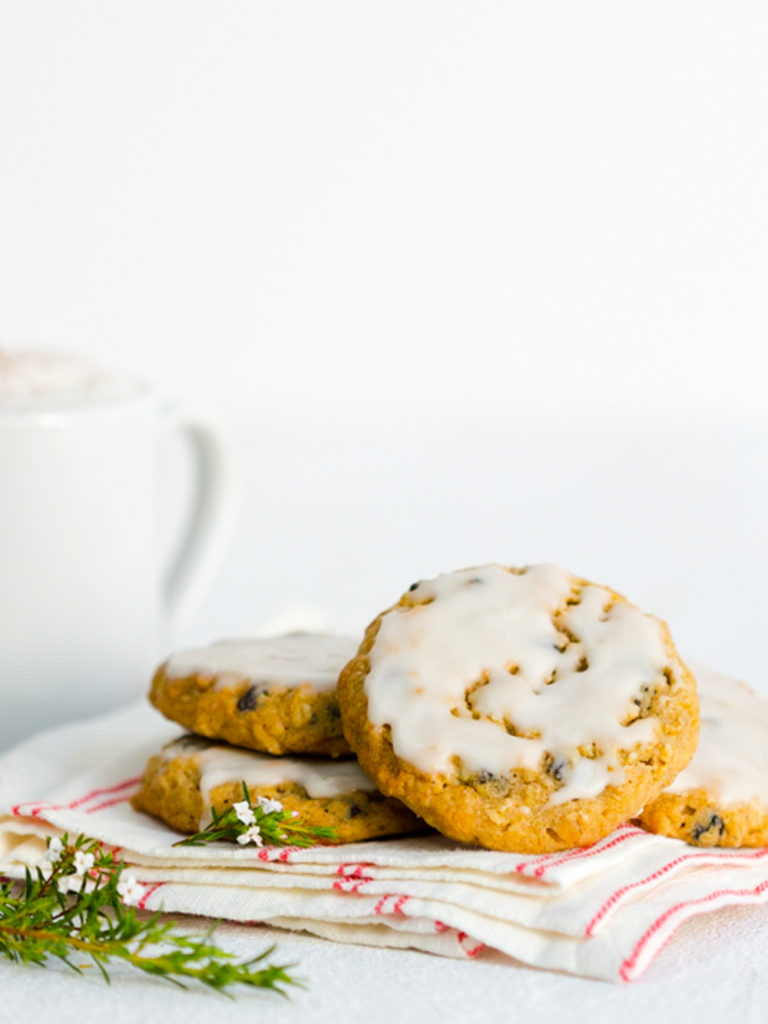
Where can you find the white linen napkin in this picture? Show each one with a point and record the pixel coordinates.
(603, 911)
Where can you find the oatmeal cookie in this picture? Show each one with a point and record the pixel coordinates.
(721, 798)
(273, 694)
(520, 709)
(192, 774)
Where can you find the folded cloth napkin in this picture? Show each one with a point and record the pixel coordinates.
(602, 911)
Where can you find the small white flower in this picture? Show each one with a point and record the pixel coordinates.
(130, 890)
(54, 851)
(253, 835)
(294, 814)
(244, 812)
(83, 862)
(74, 883)
(269, 806)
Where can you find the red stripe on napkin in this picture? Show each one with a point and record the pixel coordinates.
(629, 969)
(150, 891)
(543, 862)
(36, 808)
(616, 898)
(623, 834)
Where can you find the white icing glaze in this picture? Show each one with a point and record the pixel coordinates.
(731, 760)
(481, 623)
(220, 764)
(282, 662)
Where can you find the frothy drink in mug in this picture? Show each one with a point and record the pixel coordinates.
(32, 379)
(84, 604)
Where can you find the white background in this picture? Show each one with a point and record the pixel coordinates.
(471, 281)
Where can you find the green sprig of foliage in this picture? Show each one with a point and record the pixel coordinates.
(265, 821)
(79, 903)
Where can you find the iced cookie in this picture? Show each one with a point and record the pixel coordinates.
(273, 694)
(521, 709)
(192, 774)
(721, 798)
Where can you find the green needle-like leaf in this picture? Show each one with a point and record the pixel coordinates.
(266, 825)
(77, 904)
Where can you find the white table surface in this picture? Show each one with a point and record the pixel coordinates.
(714, 969)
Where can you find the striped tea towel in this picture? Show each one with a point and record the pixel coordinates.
(602, 911)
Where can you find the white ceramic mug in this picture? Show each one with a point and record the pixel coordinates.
(84, 605)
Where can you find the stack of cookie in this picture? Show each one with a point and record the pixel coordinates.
(250, 703)
(524, 709)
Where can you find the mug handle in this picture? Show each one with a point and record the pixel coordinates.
(211, 513)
